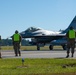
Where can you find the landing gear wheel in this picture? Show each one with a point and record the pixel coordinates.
(64, 47)
(51, 47)
(38, 47)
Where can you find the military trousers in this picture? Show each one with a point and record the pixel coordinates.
(70, 45)
(16, 46)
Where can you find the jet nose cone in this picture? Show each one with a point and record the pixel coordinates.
(22, 33)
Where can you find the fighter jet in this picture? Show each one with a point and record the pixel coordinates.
(41, 37)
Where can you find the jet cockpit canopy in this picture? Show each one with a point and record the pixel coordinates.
(32, 29)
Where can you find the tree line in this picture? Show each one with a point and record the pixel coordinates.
(8, 42)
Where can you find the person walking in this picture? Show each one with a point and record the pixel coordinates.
(71, 34)
(16, 38)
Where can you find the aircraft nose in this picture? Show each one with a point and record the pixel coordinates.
(22, 32)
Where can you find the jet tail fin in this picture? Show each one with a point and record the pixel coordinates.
(73, 24)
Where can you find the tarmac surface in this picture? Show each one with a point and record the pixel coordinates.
(36, 54)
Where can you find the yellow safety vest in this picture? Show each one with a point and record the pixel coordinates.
(16, 37)
(71, 34)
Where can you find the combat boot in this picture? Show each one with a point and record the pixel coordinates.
(67, 56)
(72, 55)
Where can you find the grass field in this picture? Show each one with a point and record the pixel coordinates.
(43, 66)
(38, 67)
(29, 48)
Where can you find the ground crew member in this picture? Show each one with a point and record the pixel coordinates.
(71, 34)
(16, 38)
(0, 47)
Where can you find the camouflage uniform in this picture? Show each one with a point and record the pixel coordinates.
(70, 43)
(0, 47)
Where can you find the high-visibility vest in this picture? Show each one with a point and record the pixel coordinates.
(71, 34)
(16, 37)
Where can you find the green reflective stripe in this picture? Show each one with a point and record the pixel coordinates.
(71, 34)
(16, 37)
